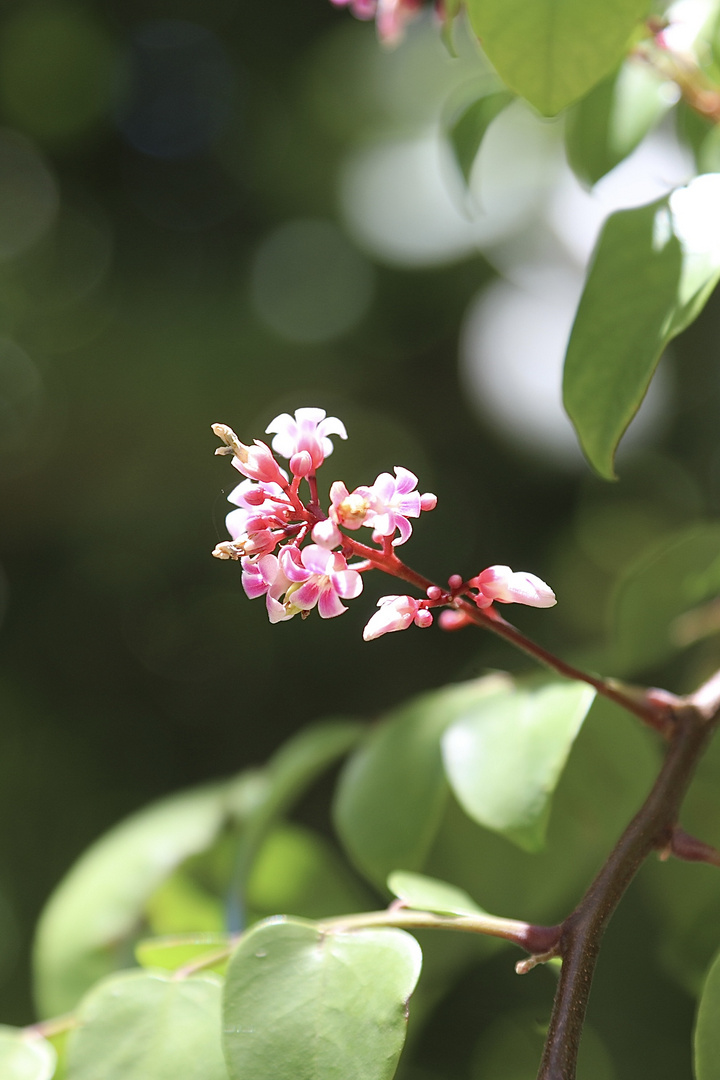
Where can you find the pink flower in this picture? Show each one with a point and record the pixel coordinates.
(396, 613)
(319, 577)
(390, 15)
(501, 584)
(264, 577)
(392, 500)
(307, 431)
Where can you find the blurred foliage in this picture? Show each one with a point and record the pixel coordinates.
(171, 190)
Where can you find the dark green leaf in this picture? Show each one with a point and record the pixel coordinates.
(24, 1056)
(505, 758)
(391, 795)
(467, 131)
(510, 1048)
(610, 121)
(653, 270)
(620, 328)
(142, 1026)
(553, 51)
(707, 1027)
(657, 599)
(428, 894)
(303, 1004)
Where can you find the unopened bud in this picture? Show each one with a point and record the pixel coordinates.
(301, 464)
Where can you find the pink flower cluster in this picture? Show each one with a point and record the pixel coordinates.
(390, 15)
(295, 554)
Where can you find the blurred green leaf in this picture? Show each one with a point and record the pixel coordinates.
(467, 130)
(651, 616)
(137, 1026)
(179, 905)
(304, 1004)
(609, 122)
(25, 1056)
(504, 760)
(428, 894)
(297, 872)
(553, 51)
(391, 795)
(98, 906)
(653, 270)
(173, 952)
(510, 1048)
(707, 1027)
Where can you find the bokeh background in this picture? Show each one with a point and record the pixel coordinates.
(212, 211)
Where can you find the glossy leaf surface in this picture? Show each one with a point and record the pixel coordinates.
(505, 759)
(301, 1004)
(553, 51)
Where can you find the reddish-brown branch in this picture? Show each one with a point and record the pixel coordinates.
(651, 828)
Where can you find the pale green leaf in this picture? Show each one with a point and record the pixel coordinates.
(304, 1004)
(609, 122)
(553, 51)
(25, 1056)
(391, 795)
(505, 758)
(428, 894)
(707, 1027)
(467, 130)
(142, 1026)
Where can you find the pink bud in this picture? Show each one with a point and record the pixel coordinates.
(254, 497)
(434, 592)
(326, 533)
(258, 463)
(428, 501)
(301, 464)
(423, 618)
(396, 613)
(449, 619)
(455, 581)
(502, 584)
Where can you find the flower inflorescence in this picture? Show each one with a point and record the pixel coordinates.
(295, 553)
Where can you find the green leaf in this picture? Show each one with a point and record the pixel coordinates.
(142, 1026)
(467, 130)
(25, 1056)
(428, 894)
(652, 272)
(620, 328)
(653, 604)
(612, 753)
(504, 760)
(98, 906)
(391, 794)
(179, 904)
(707, 1027)
(553, 51)
(304, 1004)
(609, 122)
(173, 952)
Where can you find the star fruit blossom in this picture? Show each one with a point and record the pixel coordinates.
(390, 15)
(385, 507)
(269, 512)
